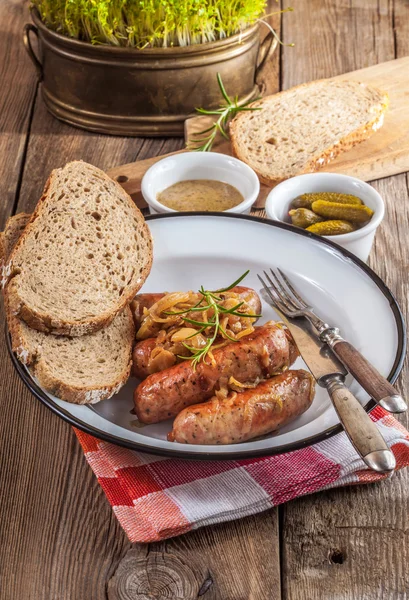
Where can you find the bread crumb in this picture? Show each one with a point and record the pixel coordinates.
(378, 124)
(5, 274)
(22, 354)
(94, 396)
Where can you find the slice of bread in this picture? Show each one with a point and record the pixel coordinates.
(82, 257)
(76, 369)
(304, 128)
(82, 370)
(8, 238)
(15, 226)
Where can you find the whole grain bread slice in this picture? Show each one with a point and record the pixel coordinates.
(304, 128)
(15, 226)
(82, 257)
(76, 369)
(82, 370)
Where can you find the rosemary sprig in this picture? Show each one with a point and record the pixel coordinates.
(199, 354)
(225, 113)
(232, 285)
(211, 301)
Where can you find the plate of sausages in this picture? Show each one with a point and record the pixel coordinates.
(215, 373)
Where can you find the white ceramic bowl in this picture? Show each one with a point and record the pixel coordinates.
(358, 242)
(200, 165)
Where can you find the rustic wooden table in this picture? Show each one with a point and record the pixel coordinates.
(58, 537)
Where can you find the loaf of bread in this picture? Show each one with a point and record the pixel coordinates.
(82, 257)
(76, 369)
(304, 128)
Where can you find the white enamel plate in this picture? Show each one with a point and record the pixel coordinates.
(214, 250)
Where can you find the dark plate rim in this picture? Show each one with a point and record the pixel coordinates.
(239, 454)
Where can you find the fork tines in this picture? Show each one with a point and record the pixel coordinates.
(282, 293)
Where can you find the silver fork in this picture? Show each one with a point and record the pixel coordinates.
(284, 296)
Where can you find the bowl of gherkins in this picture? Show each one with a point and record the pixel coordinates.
(340, 208)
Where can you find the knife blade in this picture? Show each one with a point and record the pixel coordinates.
(319, 359)
(330, 374)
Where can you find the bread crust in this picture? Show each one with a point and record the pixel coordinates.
(320, 160)
(44, 322)
(2, 248)
(7, 244)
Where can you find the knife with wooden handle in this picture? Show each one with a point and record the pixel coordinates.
(330, 374)
(366, 375)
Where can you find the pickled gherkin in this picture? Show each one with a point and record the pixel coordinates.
(334, 227)
(303, 201)
(306, 200)
(346, 212)
(302, 217)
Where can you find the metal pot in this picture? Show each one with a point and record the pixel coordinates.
(125, 91)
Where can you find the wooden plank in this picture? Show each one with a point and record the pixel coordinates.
(18, 88)
(268, 76)
(333, 37)
(401, 28)
(352, 543)
(234, 561)
(59, 536)
(18, 91)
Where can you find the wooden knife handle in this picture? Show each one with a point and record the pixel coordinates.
(361, 430)
(369, 378)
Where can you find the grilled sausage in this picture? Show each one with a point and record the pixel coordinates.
(249, 296)
(142, 363)
(264, 353)
(249, 414)
(142, 301)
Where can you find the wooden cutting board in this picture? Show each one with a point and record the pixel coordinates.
(385, 153)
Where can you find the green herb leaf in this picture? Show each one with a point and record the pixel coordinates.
(195, 308)
(224, 332)
(200, 323)
(229, 310)
(223, 91)
(239, 314)
(210, 300)
(225, 113)
(226, 289)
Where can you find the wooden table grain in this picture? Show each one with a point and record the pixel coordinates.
(59, 539)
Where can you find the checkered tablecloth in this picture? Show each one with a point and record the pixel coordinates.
(155, 498)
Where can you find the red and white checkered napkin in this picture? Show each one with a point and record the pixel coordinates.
(156, 498)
